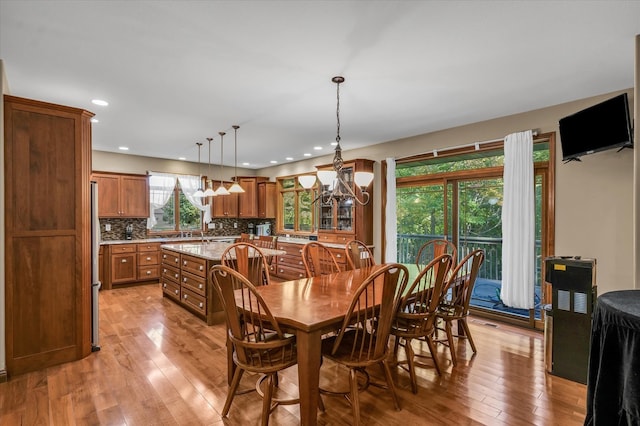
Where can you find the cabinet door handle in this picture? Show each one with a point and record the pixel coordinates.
(176, 260)
(177, 291)
(164, 285)
(148, 272)
(201, 304)
(184, 279)
(201, 267)
(175, 275)
(124, 260)
(338, 256)
(200, 286)
(184, 297)
(164, 256)
(148, 258)
(185, 263)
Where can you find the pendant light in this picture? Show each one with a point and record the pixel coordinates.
(334, 187)
(209, 192)
(236, 188)
(221, 189)
(199, 193)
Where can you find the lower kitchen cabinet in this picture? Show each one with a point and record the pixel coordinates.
(184, 280)
(127, 264)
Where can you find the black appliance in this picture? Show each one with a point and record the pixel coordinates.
(600, 127)
(573, 286)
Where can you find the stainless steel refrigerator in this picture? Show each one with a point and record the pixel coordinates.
(95, 277)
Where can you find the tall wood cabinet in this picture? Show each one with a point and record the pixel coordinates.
(248, 200)
(340, 222)
(122, 195)
(267, 199)
(48, 234)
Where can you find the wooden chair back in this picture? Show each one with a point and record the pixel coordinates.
(358, 255)
(418, 307)
(248, 260)
(318, 260)
(244, 238)
(434, 248)
(368, 325)
(459, 286)
(259, 343)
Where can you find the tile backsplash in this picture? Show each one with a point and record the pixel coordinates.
(223, 227)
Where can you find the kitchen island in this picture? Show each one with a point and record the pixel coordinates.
(184, 276)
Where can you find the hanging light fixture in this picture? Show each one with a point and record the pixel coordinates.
(199, 192)
(236, 188)
(221, 189)
(209, 191)
(333, 182)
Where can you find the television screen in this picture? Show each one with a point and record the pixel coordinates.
(603, 126)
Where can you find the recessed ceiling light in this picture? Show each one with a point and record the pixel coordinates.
(182, 158)
(245, 163)
(273, 162)
(95, 120)
(99, 102)
(306, 154)
(289, 158)
(123, 148)
(317, 148)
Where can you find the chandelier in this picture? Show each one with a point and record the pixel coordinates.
(334, 185)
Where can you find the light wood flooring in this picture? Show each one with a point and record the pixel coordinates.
(160, 365)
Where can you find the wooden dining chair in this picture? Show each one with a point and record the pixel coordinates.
(318, 260)
(259, 345)
(363, 339)
(249, 261)
(434, 248)
(244, 238)
(358, 255)
(416, 316)
(457, 296)
(266, 241)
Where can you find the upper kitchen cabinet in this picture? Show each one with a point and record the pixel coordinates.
(248, 200)
(47, 214)
(223, 206)
(343, 220)
(122, 195)
(267, 201)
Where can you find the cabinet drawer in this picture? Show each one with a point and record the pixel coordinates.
(197, 302)
(340, 256)
(194, 265)
(170, 273)
(142, 247)
(170, 258)
(290, 273)
(171, 289)
(123, 248)
(335, 238)
(194, 283)
(149, 258)
(148, 272)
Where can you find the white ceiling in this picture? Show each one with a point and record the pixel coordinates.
(177, 72)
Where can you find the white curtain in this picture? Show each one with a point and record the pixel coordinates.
(391, 223)
(518, 222)
(161, 187)
(190, 185)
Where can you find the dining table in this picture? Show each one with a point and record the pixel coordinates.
(310, 308)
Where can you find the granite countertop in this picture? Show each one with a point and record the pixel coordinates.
(227, 238)
(212, 250)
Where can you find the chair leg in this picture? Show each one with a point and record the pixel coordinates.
(452, 348)
(233, 387)
(355, 399)
(266, 401)
(408, 350)
(432, 349)
(468, 334)
(392, 388)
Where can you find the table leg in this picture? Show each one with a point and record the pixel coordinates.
(309, 356)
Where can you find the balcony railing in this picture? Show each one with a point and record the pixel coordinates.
(490, 271)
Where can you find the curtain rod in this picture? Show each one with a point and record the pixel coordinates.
(476, 144)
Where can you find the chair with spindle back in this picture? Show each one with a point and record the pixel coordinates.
(358, 255)
(248, 260)
(318, 260)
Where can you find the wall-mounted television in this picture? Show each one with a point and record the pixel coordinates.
(600, 127)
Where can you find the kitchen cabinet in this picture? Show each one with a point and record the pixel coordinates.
(131, 263)
(339, 222)
(267, 200)
(184, 280)
(289, 266)
(122, 195)
(223, 206)
(248, 200)
(47, 258)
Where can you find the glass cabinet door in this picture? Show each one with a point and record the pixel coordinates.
(338, 216)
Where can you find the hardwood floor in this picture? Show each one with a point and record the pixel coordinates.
(160, 365)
